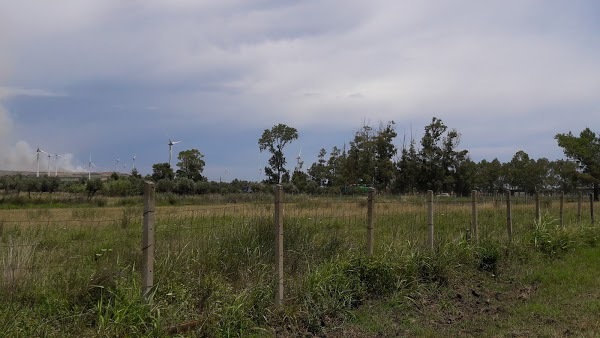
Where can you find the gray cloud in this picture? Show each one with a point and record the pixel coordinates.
(527, 69)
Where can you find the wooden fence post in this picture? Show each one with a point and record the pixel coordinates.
(279, 242)
(370, 222)
(474, 225)
(509, 225)
(592, 207)
(579, 203)
(562, 209)
(430, 219)
(538, 215)
(148, 240)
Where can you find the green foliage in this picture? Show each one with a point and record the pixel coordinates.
(550, 238)
(585, 150)
(274, 140)
(93, 186)
(369, 159)
(488, 255)
(191, 165)
(162, 171)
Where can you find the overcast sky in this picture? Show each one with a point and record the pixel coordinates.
(113, 78)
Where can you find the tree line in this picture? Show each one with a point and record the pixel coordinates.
(435, 163)
(371, 159)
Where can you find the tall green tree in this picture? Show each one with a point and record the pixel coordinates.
(191, 165)
(369, 159)
(335, 167)
(274, 140)
(489, 176)
(408, 170)
(385, 150)
(162, 171)
(585, 151)
(318, 171)
(439, 157)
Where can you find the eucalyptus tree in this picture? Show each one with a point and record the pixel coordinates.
(274, 140)
(585, 151)
(439, 158)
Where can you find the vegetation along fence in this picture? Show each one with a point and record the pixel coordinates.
(262, 247)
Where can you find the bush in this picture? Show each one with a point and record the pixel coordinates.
(164, 185)
(550, 238)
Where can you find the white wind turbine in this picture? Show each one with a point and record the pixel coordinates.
(90, 165)
(133, 163)
(56, 156)
(117, 167)
(49, 156)
(171, 143)
(37, 160)
(299, 160)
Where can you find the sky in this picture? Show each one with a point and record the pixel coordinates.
(114, 78)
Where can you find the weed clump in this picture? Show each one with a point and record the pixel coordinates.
(550, 238)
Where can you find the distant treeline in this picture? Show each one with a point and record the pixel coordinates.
(371, 159)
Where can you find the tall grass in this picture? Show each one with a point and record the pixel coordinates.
(76, 273)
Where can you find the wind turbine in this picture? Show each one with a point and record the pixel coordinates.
(49, 156)
(133, 163)
(56, 156)
(171, 143)
(90, 165)
(117, 168)
(300, 162)
(37, 160)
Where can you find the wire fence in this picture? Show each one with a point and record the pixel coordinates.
(237, 241)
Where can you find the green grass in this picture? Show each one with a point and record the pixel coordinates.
(214, 273)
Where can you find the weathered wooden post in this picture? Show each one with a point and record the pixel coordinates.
(370, 222)
(474, 225)
(538, 215)
(430, 219)
(148, 240)
(562, 209)
(509, 226)
(279, 242)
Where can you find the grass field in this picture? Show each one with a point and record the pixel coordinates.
(75, 271)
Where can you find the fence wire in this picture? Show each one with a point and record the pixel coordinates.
(234, 240)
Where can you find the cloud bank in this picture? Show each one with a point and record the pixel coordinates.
(506, 74)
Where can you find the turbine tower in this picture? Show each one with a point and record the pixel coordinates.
(90, 165)
(133, 163)
(56, 156)
(49, 156)
(300, 162)
(171, 143)
(117, 167)
(37, 161)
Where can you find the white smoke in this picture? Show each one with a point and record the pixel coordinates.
(21, 156)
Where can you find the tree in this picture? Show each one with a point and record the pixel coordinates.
(369, 159)
(190, 165)
(408, 169)
(385, 150)
(439, 157)
(585, 150)
(318, 171)
(274, 140)
(93, 186)
(135, 173)
(489, 176)
(162, 171)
